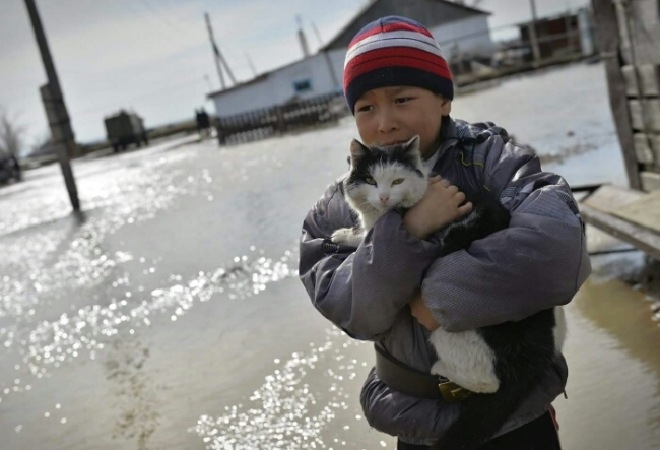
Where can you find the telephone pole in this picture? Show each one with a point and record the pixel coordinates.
(58, 117)
(302, 38)
(215, 51)
(532, 35)
(217, 56)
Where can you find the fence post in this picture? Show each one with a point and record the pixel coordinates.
(281, 124)
(219, 131)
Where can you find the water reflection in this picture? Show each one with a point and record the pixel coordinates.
(286, 412)
(52, 343)
(613, 356)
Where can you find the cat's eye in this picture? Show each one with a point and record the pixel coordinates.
(397, 181)
(370, 180)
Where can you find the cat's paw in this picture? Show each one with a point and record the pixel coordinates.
(341, 236)
(346, 236)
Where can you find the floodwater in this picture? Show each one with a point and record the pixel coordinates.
(169, 315)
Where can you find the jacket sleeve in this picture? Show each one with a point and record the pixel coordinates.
(360, 290)
(539, 262)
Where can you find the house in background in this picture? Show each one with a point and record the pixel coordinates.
(561, 35)
(462, 31)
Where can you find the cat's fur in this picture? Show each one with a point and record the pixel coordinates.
(501, 363)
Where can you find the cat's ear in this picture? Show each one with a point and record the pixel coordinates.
(358, 148)
(413, 144)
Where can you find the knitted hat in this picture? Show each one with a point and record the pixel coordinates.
(394, 51)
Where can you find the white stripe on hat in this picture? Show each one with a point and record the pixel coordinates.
(394, 39)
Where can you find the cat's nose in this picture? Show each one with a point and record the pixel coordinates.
(384, 198)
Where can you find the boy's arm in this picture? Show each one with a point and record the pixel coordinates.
(539, 262)
(360, 291)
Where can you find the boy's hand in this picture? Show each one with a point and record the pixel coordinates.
(441, 205)
(423, 314)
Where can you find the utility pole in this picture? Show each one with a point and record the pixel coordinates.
(217, 56)
(302, 38)
(532, 35)
(216, 51)
(58, 117)
(318, 35)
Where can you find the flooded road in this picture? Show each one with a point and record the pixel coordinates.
(614, 360)
(169, 314)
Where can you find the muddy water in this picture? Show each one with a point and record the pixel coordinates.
(612, 350)
(169, 314)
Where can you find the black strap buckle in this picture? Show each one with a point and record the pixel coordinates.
(452, 392)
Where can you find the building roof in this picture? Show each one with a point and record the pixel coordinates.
(446, 11)
(417, 10)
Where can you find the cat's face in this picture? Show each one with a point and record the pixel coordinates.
(382, 178)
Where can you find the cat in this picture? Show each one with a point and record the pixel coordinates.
(499, 364)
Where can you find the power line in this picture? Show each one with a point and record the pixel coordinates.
(162, 17)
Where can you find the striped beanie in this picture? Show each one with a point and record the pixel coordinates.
(394, 51)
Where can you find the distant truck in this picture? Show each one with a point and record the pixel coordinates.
(125, 128)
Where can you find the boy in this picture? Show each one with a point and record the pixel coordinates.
(393, 290)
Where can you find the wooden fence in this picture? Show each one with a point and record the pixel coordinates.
(262, 123)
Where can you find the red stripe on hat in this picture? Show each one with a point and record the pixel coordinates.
(389, 28)
(396, 56)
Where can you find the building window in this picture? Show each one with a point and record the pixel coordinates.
(302, 85)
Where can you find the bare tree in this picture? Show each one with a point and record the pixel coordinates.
(11, 134)
(42, 145)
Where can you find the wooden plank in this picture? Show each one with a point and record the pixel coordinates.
(647, 154)
(630, 80)
(646, 240)
(650, 181)
(645, 30)
(645, 211)
(609, 198)
(649, 75)
(645, 110)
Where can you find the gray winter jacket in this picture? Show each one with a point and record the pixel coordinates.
(539, 262)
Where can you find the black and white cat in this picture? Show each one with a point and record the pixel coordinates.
(502, 362)
(381, 178)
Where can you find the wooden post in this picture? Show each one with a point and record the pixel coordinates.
(532, 36)
(219, 131)
(607, 34)
(58, 117)
(281, 123)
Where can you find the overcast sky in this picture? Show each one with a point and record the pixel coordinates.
(154, 55)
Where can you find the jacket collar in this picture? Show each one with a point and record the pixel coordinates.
(448, 137)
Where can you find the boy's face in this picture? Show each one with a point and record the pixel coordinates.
(391, 114)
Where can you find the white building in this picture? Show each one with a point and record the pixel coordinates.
(461, 31)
